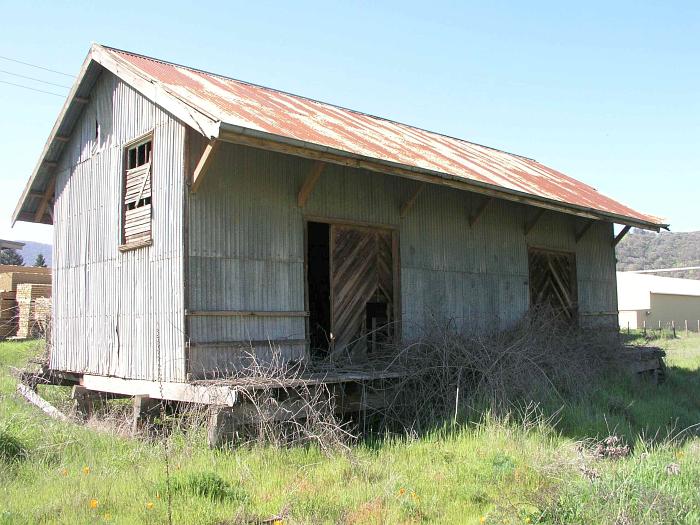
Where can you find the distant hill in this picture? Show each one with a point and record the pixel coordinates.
(32, 249)
(644, 250)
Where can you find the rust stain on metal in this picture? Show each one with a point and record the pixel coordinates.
(263, 109)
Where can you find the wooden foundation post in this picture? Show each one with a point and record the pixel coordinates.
(84, 401)
(145, 410)
(221, 428)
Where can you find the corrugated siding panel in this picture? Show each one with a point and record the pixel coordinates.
(247, 235)
(109, 305)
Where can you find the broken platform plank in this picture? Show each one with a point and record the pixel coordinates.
(35, 399)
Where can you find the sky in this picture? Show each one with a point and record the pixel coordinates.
(606, 92)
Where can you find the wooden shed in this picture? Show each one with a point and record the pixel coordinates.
(198, 217)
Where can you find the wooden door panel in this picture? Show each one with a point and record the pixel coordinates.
(362, 272)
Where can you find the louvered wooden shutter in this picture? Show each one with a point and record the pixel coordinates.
(137, 204)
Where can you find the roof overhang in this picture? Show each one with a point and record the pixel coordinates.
(268, 141)
(34, 203)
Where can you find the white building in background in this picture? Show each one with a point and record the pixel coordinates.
(652, 299)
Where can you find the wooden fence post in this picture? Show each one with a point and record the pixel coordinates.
(673, 327)
(686, 328)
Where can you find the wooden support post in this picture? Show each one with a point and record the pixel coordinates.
(582, 232)
(686, 328)
(203, 164)
(531, 224)
(479, 211)
(620, 235)
(84, 401)
(673, 327)
(406, 206)
(310, 183)
(145, 410)
(644, 324)
(221, 428)
(48, 194)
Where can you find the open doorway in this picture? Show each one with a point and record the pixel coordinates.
(351, 277)
(319, 292)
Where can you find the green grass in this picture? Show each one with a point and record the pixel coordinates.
(501, 471)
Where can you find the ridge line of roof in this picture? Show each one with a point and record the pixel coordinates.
(204, 71)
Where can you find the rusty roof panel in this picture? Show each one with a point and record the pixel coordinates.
(267, 110)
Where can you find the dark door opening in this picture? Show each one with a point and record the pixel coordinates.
(318, 279)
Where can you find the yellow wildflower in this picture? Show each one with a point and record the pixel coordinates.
(528, 520)
(415, 497)
(278, 522)
(94, 503)
(107, 516)
(64, 472)
(482, 519)
(402, 491)
(86, 470)
(149, 505)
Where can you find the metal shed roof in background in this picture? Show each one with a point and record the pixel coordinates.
(283, 116)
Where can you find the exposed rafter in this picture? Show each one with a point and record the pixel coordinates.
(406, 206)
(44, 203)
(479, 211)
(203, 164)
(529, 225)
(310, 183)
(620, 235)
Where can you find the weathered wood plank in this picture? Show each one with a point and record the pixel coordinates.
(203, 164)
(310, 183)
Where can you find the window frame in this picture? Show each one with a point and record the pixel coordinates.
(125, 245)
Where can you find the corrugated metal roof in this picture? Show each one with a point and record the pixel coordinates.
(212, 103)
(263, 109)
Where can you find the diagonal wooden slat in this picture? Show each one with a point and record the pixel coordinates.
(362, 269)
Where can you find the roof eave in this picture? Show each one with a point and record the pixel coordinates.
(154, 91)
(241, 135)
(71, 101)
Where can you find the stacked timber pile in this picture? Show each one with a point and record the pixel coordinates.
(31, 303)
(8, 314)
(11, 278)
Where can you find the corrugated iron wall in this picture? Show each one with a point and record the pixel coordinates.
(109, 306)
(246, 250)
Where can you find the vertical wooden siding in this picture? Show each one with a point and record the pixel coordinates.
(246, 247)
(108, 306)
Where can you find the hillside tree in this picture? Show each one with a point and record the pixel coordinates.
(11, 256)
(40, 262)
